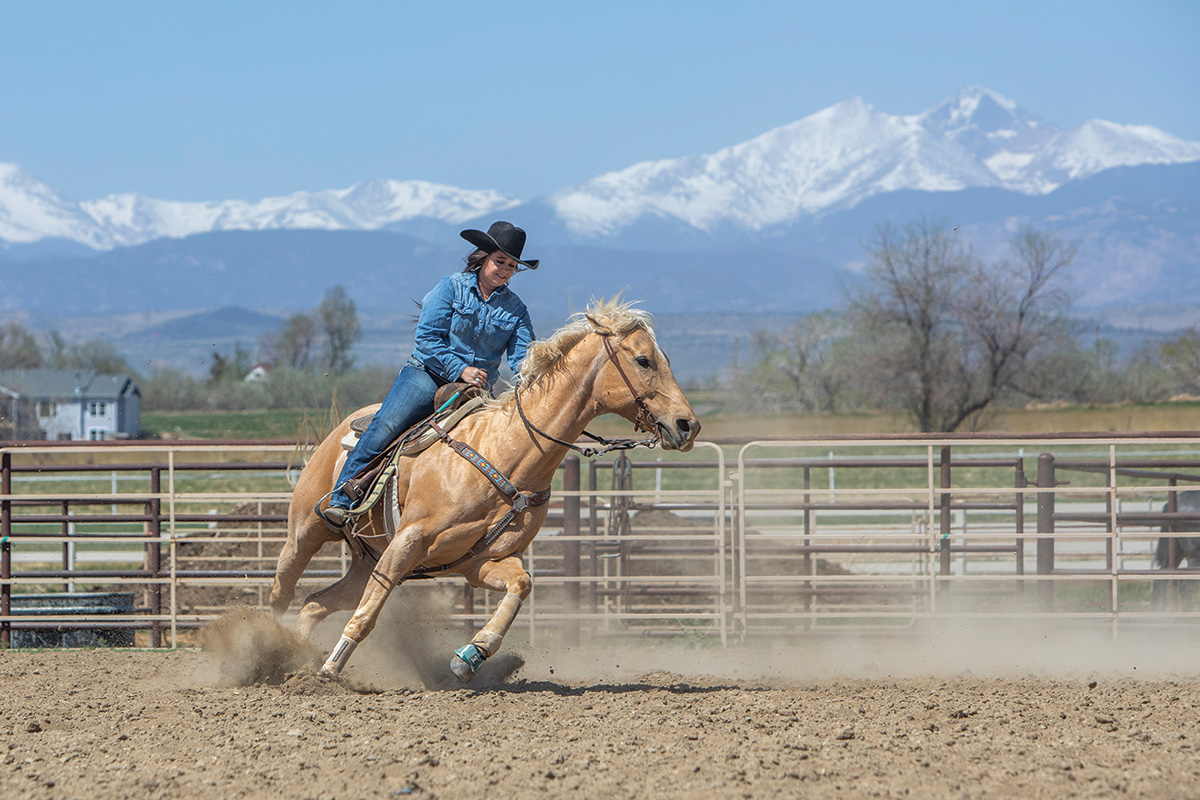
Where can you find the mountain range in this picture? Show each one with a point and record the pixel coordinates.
(774, 224)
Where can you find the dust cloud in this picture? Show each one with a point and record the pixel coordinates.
(410, 647)
(413, 641)
(251, 647)
(415, 637)
(980, 647)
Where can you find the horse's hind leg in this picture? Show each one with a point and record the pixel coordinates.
(509, 576)
(305, 539)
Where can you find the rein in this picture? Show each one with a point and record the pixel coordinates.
(642, 422)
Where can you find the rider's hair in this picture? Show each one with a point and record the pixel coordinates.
(475, 260)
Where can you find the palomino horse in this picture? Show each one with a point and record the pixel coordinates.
(606, 361)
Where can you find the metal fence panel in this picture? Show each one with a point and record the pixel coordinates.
(737, 539)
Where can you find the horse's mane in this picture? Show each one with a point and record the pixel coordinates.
(615, 316)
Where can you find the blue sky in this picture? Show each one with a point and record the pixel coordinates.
(221, 100)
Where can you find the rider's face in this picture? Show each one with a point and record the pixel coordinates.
(496, 270)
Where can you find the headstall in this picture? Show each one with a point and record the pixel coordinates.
(642, 422)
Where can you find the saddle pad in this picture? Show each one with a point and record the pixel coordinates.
(423, 441)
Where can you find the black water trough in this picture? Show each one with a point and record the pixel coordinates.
(64, 634)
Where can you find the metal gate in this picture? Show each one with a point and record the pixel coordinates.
(737, 539)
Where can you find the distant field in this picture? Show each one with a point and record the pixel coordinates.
(287, 425)
(1104, 419)
(291, 425)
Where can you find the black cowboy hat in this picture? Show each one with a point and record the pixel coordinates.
(502, 236)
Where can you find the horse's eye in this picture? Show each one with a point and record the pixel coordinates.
(642, 361)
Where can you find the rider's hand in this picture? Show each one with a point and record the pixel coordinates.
(474, 376)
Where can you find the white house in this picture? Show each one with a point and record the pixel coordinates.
(68, 405)
(257, 373)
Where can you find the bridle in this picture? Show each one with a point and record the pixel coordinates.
(643, 421)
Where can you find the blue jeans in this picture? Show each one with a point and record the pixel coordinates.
(409, 401)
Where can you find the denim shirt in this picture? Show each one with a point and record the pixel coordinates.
(459, 329)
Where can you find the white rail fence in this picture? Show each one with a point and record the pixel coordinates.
(142, 543)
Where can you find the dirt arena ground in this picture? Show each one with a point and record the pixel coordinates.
(244, 717)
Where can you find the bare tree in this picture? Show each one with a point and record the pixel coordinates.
(1181, 358)
(94, 354)
(798, 368)
(341, 329)
(292, 345)
(18, 348)
(945, 335)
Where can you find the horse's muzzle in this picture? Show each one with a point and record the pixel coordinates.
(681, 435)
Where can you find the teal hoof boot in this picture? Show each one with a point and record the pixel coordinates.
(466, 662)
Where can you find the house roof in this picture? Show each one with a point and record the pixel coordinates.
(59, 384)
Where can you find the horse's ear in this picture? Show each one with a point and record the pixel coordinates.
(597, 324)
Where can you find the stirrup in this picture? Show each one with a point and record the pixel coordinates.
(333, 525)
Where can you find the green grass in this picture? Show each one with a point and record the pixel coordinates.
(718, 419)
(277, 424)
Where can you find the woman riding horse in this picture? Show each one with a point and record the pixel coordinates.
(471, 504)
(468, 321)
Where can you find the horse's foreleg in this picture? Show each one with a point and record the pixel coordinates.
(505, 575)
(396, 562)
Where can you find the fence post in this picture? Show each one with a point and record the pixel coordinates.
(593, 532)
(5, 549)
(468, 601)
(1045, 525)
(944, 511)
(570, 547)
(68, 562)
(1172, 587)
(154, 555)
(1020, 482)
(808, 565)
(1110, 598)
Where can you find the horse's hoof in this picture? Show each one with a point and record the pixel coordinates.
(466, 662)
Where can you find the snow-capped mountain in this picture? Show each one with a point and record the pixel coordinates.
(367, 205)
(825, 163)
(30, 211)
(838, 157)
(793, 205)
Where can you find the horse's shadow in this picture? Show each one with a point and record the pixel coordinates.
(498, 674)
(493, 673)
(560, 690)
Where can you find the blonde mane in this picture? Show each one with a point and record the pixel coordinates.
(614, 316)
